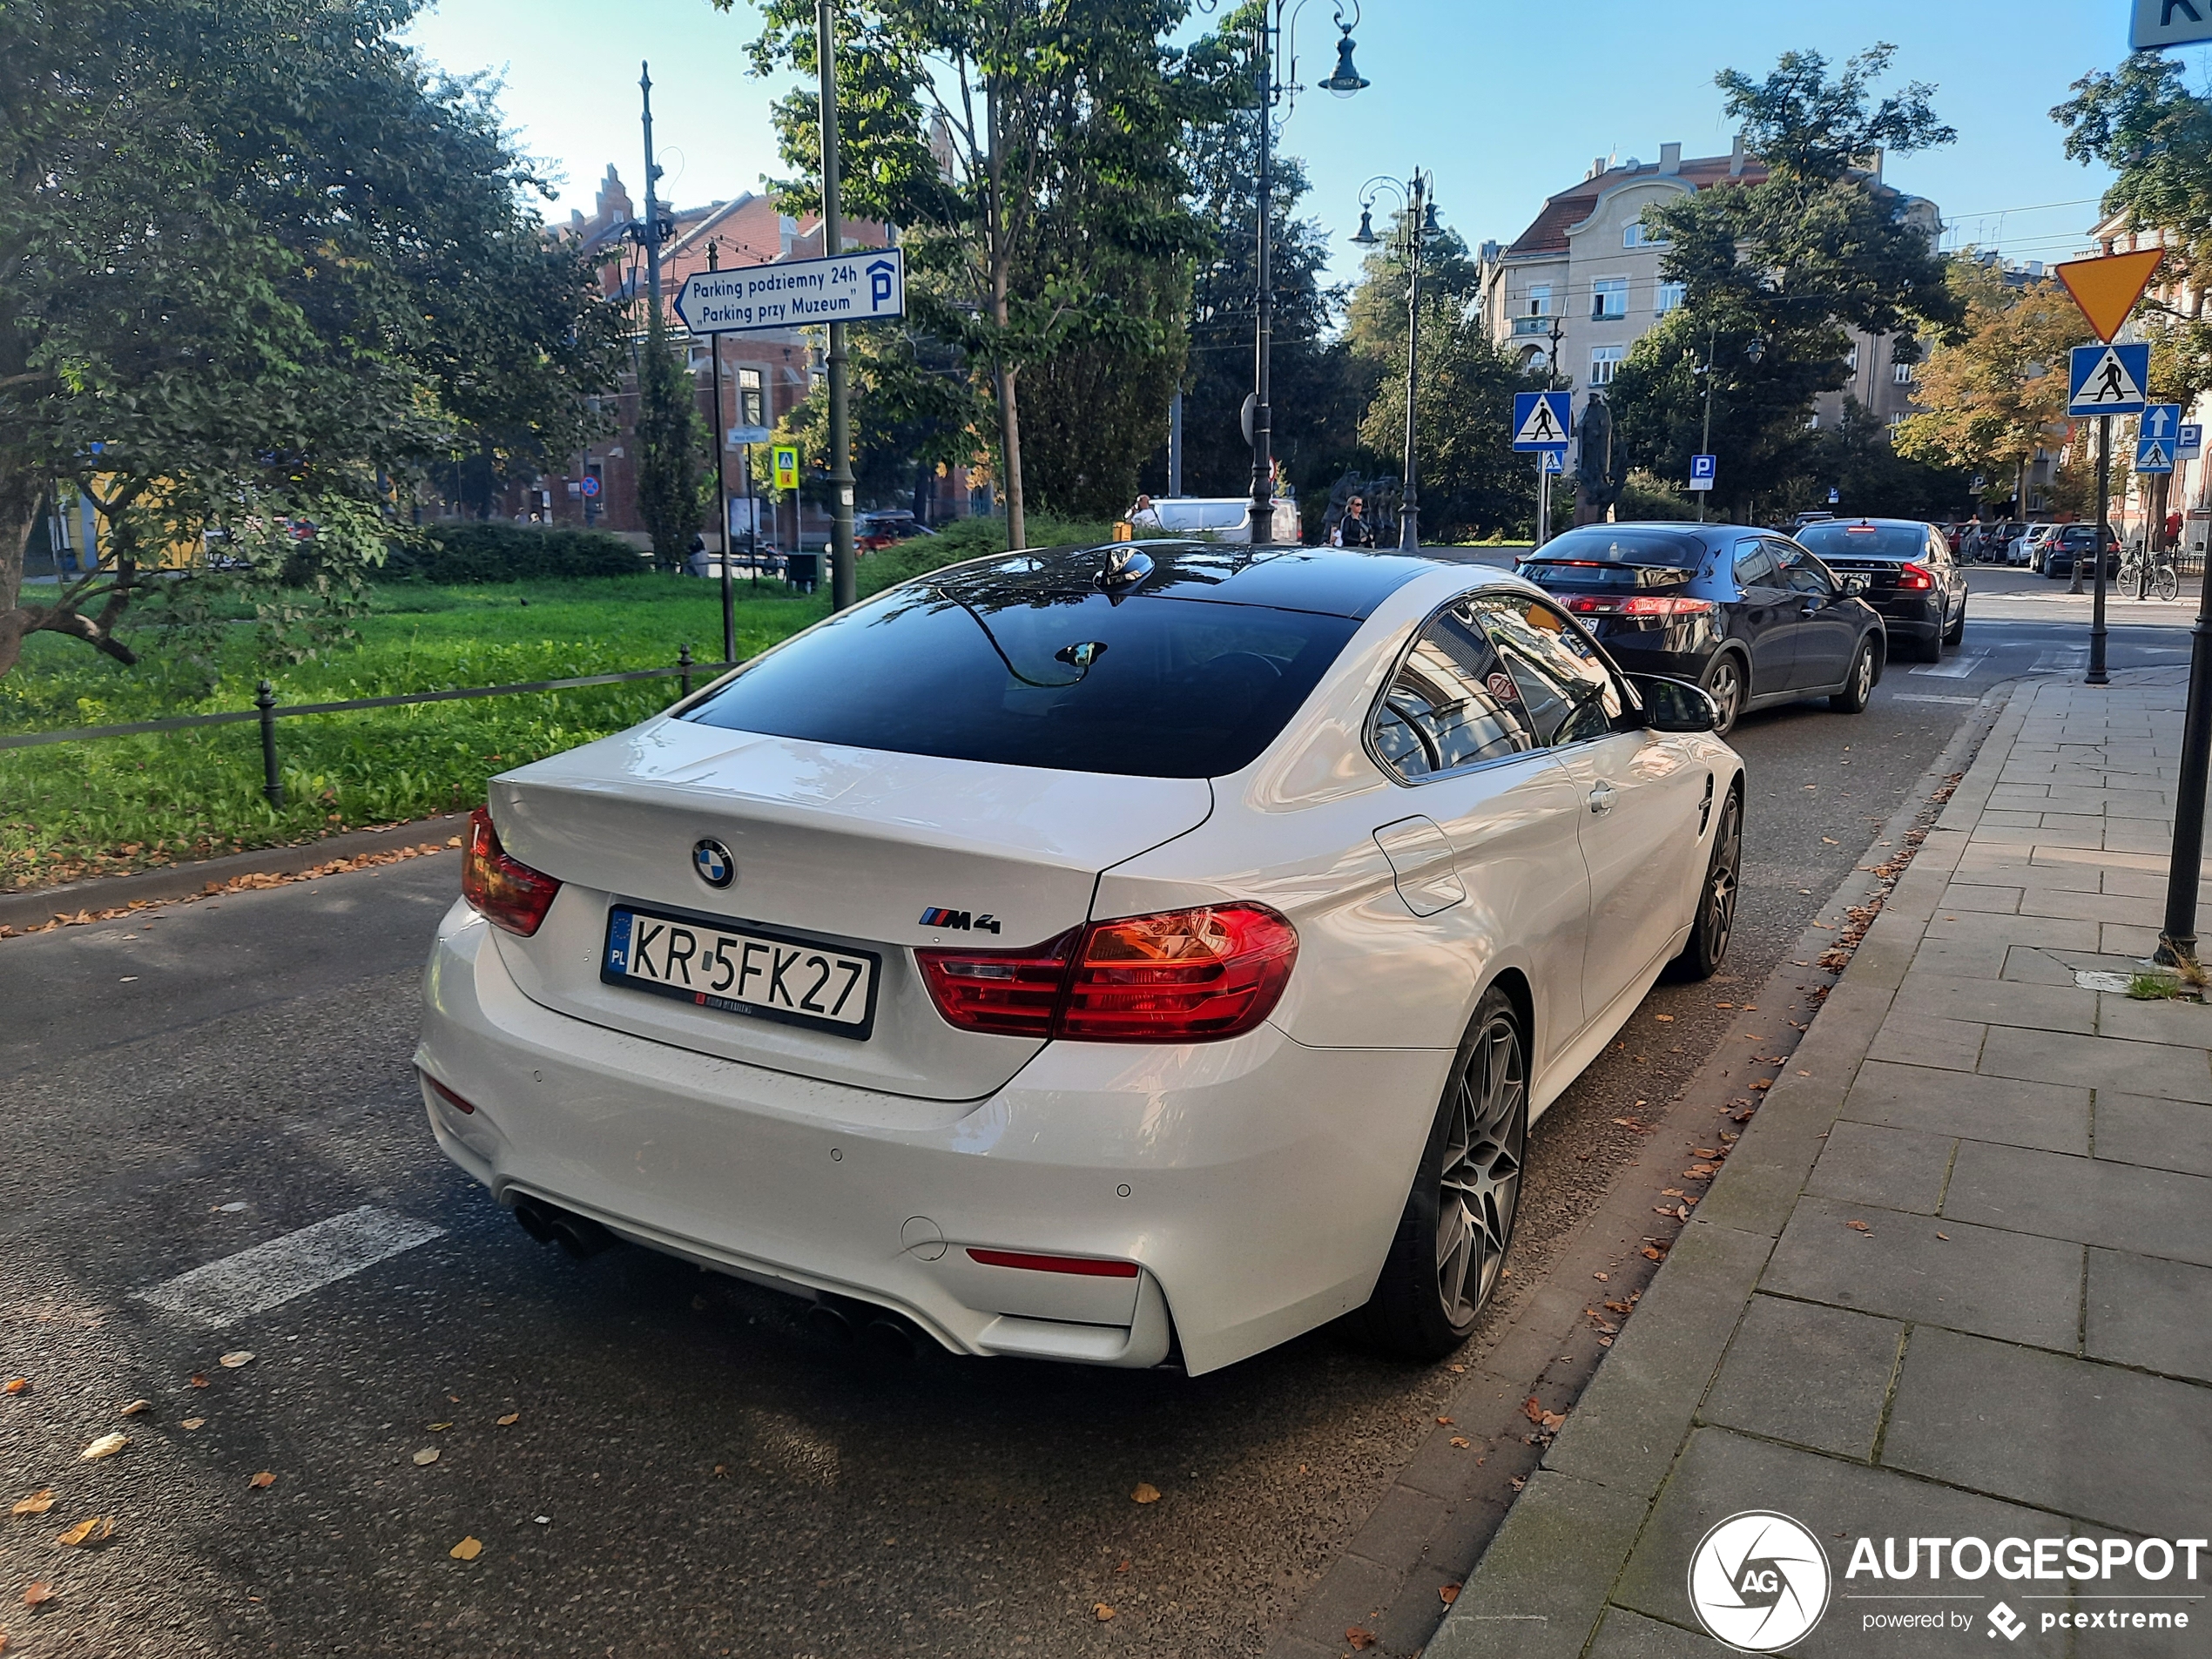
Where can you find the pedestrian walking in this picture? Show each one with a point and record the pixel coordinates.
(1353, 529)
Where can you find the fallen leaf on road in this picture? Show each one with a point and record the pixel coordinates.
(721, 1471)
(1669, 1018)
(435, 1427)
(1519, 1481)
(38, 1594)
(4, 1642)
(1532, 1409)
(134, 1408)
(1459, 1368)
(1673, 1192)
(1448, 1593)
(91, 1529)
(1763, 1082)
(1462, 1441)
(194, 1422)
(15, 1386)
(1945, 1237)
(263, 1478)
(238, 1357)
(199, 1381)
(1359, 1639)
(1100, 1612)
(1652, 1252)
(1447, 1422)
(1858, 1226)
(468, 1549)
(106, 1445)
(37, 1504)
(510, 1419)
(1145, 1493)
(1620, 1307)
(427, 1454)
(1123, 1568)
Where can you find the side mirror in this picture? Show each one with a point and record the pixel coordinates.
(1675, 706)
(1854, 586)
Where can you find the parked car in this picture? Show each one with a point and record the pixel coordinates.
(1028, 957)
(873, 532)
(1819, 516)
(1223, 518)
(1912, 578)
(1748, 614)
(2072, 541)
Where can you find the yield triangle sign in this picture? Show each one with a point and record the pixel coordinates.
(2106, 289)
(2109, 380)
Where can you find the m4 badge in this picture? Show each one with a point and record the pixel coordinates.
(959, 920)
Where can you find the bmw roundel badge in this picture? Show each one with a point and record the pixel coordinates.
(712, 861)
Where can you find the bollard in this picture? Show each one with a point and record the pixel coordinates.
(271, 785)
(683, 662)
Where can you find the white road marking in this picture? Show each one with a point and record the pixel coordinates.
(1958, 667)
(2061, 659)
(274, 1272)
(1910, 697)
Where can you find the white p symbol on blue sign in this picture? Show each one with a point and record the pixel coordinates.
(1701, 466)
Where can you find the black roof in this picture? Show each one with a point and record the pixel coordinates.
(1336, 581)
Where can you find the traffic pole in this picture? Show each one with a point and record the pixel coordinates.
(842, 590)
(1543, 500)
(2097, 675)
(722, 496)
(2177, 939)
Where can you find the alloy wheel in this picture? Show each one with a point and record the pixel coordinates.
(1864, 674)
(1727, 691)
(1720, 883)
(1480, 1178)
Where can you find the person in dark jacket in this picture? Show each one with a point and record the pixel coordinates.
(1353, 529)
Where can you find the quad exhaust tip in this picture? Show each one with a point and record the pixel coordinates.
(580, 1236)
(846, 1319)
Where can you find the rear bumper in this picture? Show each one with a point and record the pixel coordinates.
(1912, 619)
(1255, 1184)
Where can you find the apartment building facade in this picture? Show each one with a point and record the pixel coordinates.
(1583, 282)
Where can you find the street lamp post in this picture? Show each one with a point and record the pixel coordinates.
(1419, 224)
(1755, 351)
(1275, 38)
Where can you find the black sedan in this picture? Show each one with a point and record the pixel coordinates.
(2072, 541)
(1748, 614)
(1912, 577)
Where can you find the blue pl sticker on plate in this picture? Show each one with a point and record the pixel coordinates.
(618, 942)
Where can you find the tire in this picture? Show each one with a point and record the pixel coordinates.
(1730, 682)
(1958, 626)
(2166, 585)
(1859, 688)
(1451, 1243)
(1715, 924)
(1931, 648)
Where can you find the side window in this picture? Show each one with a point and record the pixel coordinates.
(1801, 572)
(1754, 565)
(1450, 704)
(1567, 691)
(1939, 549)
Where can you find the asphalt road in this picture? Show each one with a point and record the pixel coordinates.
(689, 1470)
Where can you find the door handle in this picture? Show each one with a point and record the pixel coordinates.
(1601, 799)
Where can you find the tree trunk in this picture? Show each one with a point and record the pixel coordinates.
(20, 499)
(1001, 259)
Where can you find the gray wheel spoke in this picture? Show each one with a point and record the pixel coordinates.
(1480, 1174)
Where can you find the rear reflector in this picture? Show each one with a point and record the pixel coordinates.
(1179, 976)
(1083, 1266)
(506, 891)
(448, 1096)
(1637, 604)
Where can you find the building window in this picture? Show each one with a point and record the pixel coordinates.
(1671, 296)
(753, 403)
(1641, 235)
(698, 355)
(1605, 362)
(1850, 357)
(1608, 299)
(1540, 299)
(1901, 373)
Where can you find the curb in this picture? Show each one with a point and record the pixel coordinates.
(1547, 1579)
(42, 904)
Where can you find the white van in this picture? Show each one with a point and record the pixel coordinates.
(1224, 518)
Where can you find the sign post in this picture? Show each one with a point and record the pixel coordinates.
(1543, 422)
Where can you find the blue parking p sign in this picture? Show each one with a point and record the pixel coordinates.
(1702, 470)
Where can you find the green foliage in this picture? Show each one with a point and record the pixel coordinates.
(913, 409)
(494, 552)
(1870, 476)
(674, 489)
(1471, 480)
(1649, 497)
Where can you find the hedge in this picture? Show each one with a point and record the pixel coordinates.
(494, 552)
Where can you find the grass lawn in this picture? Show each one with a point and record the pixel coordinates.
(100, 806)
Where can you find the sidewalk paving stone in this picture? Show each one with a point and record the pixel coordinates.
(1983, 1279)
(2054, 1008)
(2149, 1313)
(2158, 1134)
(2114, 1447)
(1630, 1635)
(2052, 1116)
(1545, 1577)
(1897, 1169)
(1912, 1038)
(2093, 1201)
(2188, 1024)
(2164, 1070)
(1815, 1376)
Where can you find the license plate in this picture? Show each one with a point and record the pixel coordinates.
(736, 969)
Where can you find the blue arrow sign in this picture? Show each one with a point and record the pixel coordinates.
(1543, 421)
(2191, 444)
(2109, 380)
(2154, 455)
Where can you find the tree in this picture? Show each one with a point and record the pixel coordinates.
(968, 123)
(915, 408)
(257, 267)
(673, 488)
(1871, 476)
(1816, 247)
(1471, 480)
(1992, 392)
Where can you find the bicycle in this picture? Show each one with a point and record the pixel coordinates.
(2151, 574)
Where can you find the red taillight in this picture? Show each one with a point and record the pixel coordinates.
(1081, 1267)
(505, 890)
(1915, 579)
(1638, 604)
(448, 1096)
(1180, 976)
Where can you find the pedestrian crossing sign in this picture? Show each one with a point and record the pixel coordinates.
(2154, 455)
(1542, 419)
(787, 460)
(1555, 460)
(2109, 380)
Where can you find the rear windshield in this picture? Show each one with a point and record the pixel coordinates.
(1048, 675)
(1834, 541)
(1603, 557)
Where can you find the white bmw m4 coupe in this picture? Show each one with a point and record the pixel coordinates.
(1133, 955)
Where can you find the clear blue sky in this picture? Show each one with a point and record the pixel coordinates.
(1505, 103)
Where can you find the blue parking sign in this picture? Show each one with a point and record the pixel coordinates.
(1703, 470)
